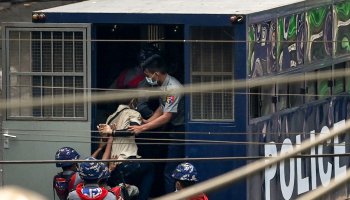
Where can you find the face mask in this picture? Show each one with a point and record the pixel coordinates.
(150, 81)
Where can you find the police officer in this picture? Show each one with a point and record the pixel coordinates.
(185, 176)
(171, 109)
(91, 173)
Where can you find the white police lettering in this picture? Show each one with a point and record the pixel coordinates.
(339, 149)
(313, 162)
(324, 176)
(270, 172)
(302, 183)
(287, 189)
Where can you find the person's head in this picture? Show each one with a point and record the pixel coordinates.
(67, 153)
(185, 175)
(90, 172)
(152, 64)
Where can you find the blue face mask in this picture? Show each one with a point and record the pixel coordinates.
(151, 82)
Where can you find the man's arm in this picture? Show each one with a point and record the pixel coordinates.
(101, 145)
(105, 129)
(158, 122)
(155, 115)
(107, 153)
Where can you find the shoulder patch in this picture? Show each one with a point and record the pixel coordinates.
(170, 99)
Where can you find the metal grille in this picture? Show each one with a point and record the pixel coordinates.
(46, 64)
(212, 61)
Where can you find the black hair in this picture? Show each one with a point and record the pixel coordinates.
(103, 181)
(70, 167)
(156, 65)
(90, 181)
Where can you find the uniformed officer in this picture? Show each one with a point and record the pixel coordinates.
(171, 109)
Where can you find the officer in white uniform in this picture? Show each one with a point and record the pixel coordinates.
(171, 109)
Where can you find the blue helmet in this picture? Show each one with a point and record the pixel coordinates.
(66, 153)
(90, 170)
(105, 171)
(148, 54)
(185, 172)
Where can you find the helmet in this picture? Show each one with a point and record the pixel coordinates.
(66, 153)
(148, 54)
(185, 172)
(105, 171)
(90, 170)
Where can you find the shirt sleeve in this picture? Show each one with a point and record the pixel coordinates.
(171, 103)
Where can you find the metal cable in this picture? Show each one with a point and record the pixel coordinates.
(187, 89)
(152, 90)
(179, 142)
(22, 132)
(170, 41)
(155, 160)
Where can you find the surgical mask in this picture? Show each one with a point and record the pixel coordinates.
(150, 81)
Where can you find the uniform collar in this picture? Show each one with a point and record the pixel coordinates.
(166, 81)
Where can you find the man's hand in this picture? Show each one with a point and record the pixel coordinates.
(104, 129)
(136, 129)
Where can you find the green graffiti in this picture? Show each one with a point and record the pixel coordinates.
(287, 34)
(323, 89)
(345, 43)
(343, 10)
(292, 30)
(251, 37)
(317, 17)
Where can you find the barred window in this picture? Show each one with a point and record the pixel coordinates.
(212, 61)
(46, 64)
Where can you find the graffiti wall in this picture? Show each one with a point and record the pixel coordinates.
(342, 28)
(290, 48)
(319, 33)
(296, 176)
(294, 40)
(262, 49)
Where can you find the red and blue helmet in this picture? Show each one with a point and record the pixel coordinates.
(66, 153)
(185, 172)
(90, 170)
